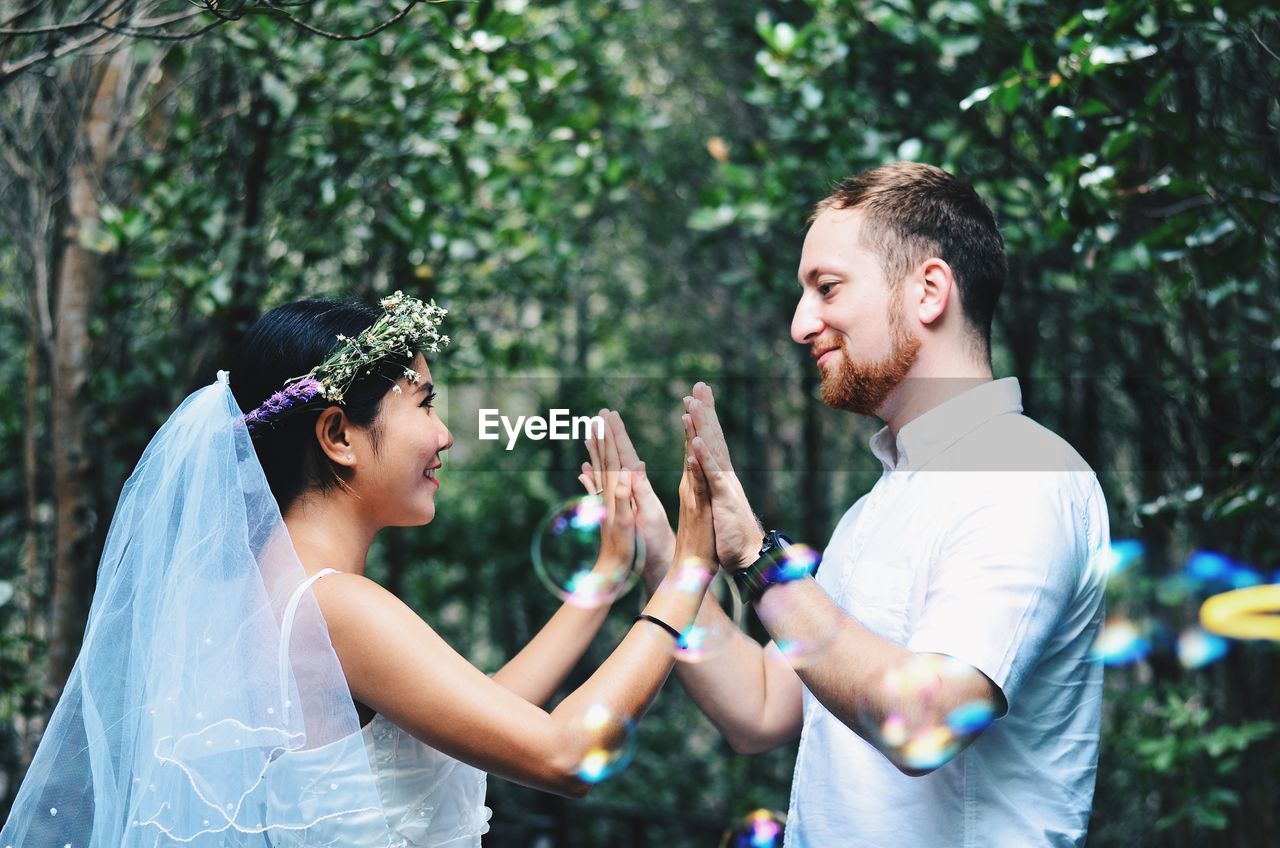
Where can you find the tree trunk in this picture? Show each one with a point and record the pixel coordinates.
(76, 283)
(28, 731)
(30, 474)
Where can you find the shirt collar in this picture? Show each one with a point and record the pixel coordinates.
(929, 434)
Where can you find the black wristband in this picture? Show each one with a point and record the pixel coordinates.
(753, 580)
(675, 634)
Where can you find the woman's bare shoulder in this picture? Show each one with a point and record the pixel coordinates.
(346, 598)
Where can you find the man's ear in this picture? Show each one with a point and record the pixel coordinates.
(333, 431)
(937, 288)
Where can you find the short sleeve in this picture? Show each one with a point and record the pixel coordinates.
(1005, 575)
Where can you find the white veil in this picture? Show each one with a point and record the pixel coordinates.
(187, 719)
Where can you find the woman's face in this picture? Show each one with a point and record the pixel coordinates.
(397, 482)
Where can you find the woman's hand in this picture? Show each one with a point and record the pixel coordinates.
(652, 524)
(618, 526)
(538, 671)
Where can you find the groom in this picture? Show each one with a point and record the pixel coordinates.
(937, 669)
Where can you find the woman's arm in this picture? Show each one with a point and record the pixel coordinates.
(400, 667)
(541, 666)
(750, 692)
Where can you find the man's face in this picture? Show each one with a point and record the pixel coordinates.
(851, 317)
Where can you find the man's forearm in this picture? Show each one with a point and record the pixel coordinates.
(748, 692)
(864, 679)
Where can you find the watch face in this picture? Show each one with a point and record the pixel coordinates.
(775, 541)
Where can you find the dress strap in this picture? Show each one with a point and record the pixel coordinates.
(286, 633)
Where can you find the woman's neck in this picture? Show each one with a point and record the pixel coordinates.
(327, 532)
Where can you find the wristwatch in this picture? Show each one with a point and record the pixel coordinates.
(753, 580)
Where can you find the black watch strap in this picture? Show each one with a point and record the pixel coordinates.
(753, 580)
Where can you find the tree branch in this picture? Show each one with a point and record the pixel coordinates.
(11, 69)
(92, 18)
(1263, 44)
(278, 10)
(99, 19)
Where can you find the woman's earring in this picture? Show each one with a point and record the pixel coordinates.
(348, 456)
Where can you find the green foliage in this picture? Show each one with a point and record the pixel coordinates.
(1168, 740)
(609, 198)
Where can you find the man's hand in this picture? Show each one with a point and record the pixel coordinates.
(652, 524)
(738, 531)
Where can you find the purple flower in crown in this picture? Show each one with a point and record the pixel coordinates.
(292, 396)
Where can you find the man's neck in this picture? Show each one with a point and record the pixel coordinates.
(929, 384)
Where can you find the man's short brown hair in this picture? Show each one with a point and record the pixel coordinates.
(912, 212)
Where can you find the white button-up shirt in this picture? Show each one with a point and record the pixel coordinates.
(981, 541)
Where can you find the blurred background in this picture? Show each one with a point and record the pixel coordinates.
(610, 196)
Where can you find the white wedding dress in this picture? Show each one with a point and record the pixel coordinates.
(429, 799)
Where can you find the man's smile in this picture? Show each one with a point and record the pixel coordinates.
(822, 354)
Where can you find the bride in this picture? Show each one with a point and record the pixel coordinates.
(241, 682)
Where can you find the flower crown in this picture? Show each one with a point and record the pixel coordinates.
(407, 325)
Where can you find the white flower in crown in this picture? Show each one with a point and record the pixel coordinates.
(407, 325)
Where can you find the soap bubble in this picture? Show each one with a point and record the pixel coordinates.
(566, 545)
(758, 829)
(699, 641)
(1121, 554)
(1198, 648)
(1120, 642)
(611, 738)
(1213, 571)
(800, 562)
(925, 730)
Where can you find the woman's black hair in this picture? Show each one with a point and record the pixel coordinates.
(288, 342)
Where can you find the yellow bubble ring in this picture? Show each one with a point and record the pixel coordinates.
(1244, 613)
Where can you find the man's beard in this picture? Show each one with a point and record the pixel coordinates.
(863, 387)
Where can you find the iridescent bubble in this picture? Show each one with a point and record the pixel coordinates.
(799, 562)
(1208, 566)
(1198, 648)
(894, 731)
(1243, 577)
(1218, 569)
(802, 561)
(700, 641)
(971, 717)
(612, 744)
(566, 548)
(758, 829)
(926, 728)
(801, 653)
(930, 748)
(1120, 642)
(1121, 554)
